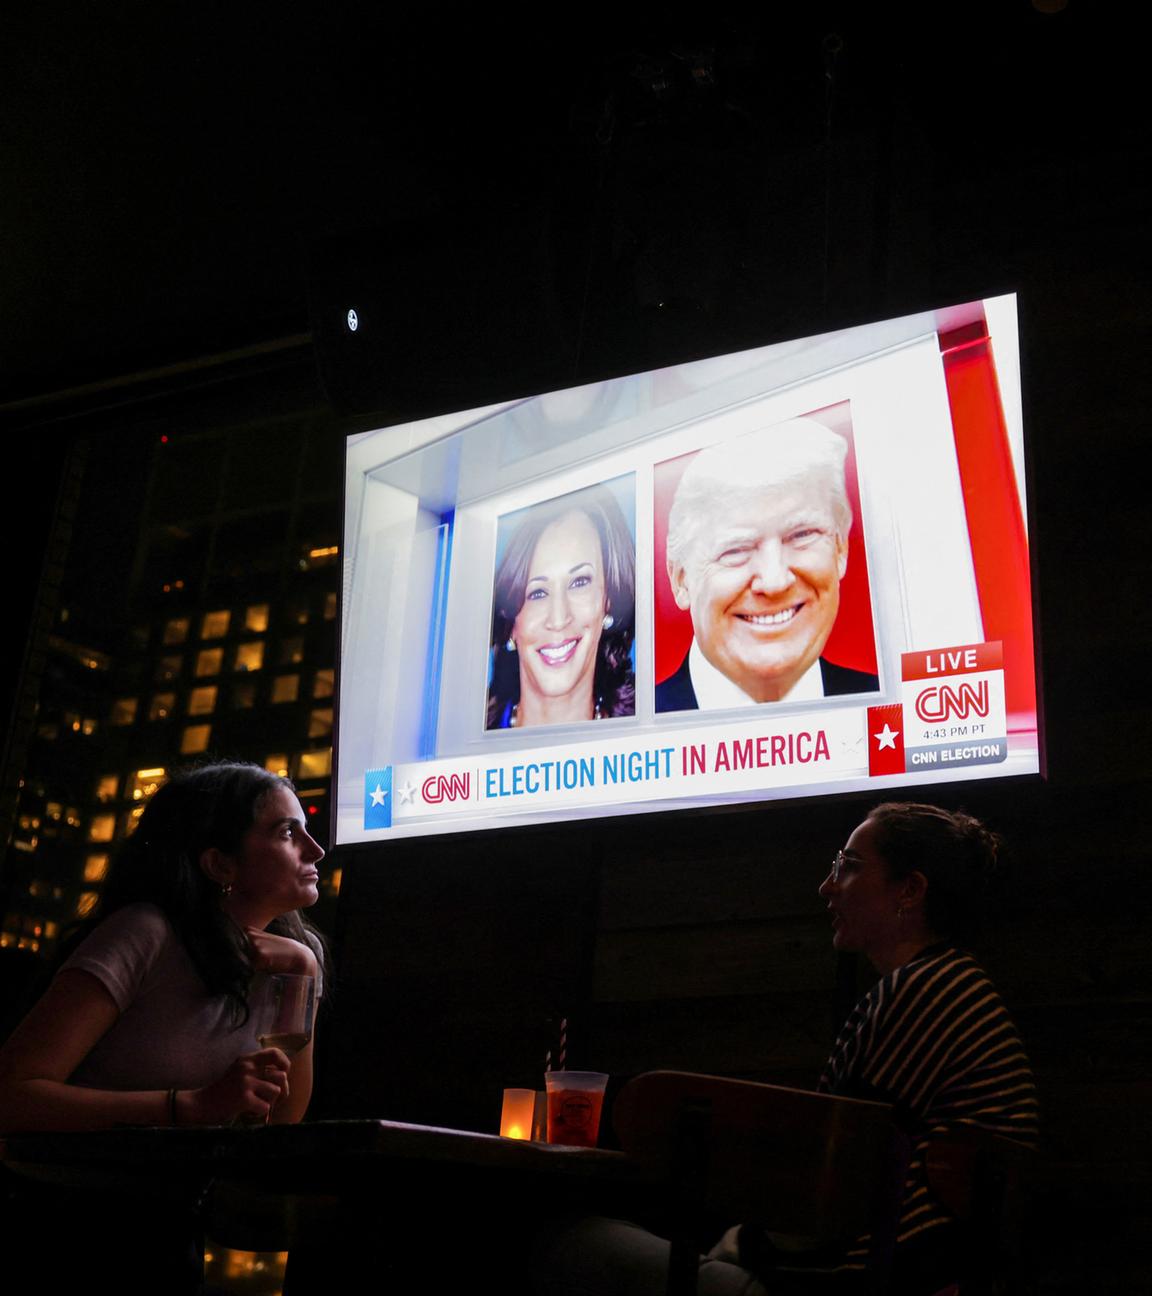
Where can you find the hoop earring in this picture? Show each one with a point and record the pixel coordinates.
(609, 620)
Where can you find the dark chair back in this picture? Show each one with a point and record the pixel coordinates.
(983, 1180)
(823, 1168)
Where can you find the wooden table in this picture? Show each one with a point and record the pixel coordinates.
(344, 1193)
(316, 1156)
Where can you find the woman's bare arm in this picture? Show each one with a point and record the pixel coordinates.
(60, 1032)
(48, 1045)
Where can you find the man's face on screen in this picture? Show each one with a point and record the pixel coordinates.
(557, 631)
(762, 582)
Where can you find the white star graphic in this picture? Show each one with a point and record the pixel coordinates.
(378, 795)
(887, 737)
(406, 793)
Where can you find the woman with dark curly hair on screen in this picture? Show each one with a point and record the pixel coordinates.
(150, 1020)
(563, 615)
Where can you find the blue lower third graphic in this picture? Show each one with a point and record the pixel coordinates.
(378, 798)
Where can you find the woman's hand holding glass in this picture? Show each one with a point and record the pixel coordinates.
(246, 1093)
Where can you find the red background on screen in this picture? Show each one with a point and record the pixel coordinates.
(852, 642)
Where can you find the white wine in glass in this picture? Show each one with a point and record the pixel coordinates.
(290, 1042)
(286, 1012)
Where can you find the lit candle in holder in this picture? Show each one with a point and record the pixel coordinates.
(516, 1114)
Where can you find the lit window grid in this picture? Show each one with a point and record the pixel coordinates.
(256, 618)
(285, 688)
(209, 662)
(195, 739)
(315, 764)
(214, 625)
(202, 700)
(249, 656)
(146, 782)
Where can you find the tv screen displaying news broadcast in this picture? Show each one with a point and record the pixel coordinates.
(790, 571)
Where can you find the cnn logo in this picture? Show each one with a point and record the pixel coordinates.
(446, 787)
(952, 702)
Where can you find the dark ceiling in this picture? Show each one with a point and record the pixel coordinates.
(174, 179)
(168, 169)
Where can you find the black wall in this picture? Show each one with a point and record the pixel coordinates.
(699, 941)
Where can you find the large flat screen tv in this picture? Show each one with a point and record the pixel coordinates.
(790, 571)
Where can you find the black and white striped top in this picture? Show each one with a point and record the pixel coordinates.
(934, 1038)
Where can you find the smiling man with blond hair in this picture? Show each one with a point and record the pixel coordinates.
(757, 547)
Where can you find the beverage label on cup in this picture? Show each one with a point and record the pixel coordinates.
(575, 1112)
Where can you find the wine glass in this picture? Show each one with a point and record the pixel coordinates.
(283, 1012)
(286, 1011)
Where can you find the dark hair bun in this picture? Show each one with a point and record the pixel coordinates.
(957, 854)
(985, 845)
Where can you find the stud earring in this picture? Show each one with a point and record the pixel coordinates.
(226, 889)
(609, 620)
(511, 644)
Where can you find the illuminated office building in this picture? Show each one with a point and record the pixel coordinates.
(190, 615)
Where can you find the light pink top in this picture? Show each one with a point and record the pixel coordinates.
(171, 1033)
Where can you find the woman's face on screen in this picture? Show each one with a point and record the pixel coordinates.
(557, 630)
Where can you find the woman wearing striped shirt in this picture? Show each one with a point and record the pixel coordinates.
(932, 1036)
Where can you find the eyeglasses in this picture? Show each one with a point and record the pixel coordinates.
(839, 862)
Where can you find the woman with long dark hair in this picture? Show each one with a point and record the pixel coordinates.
(563, 615)
(149, 1021)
